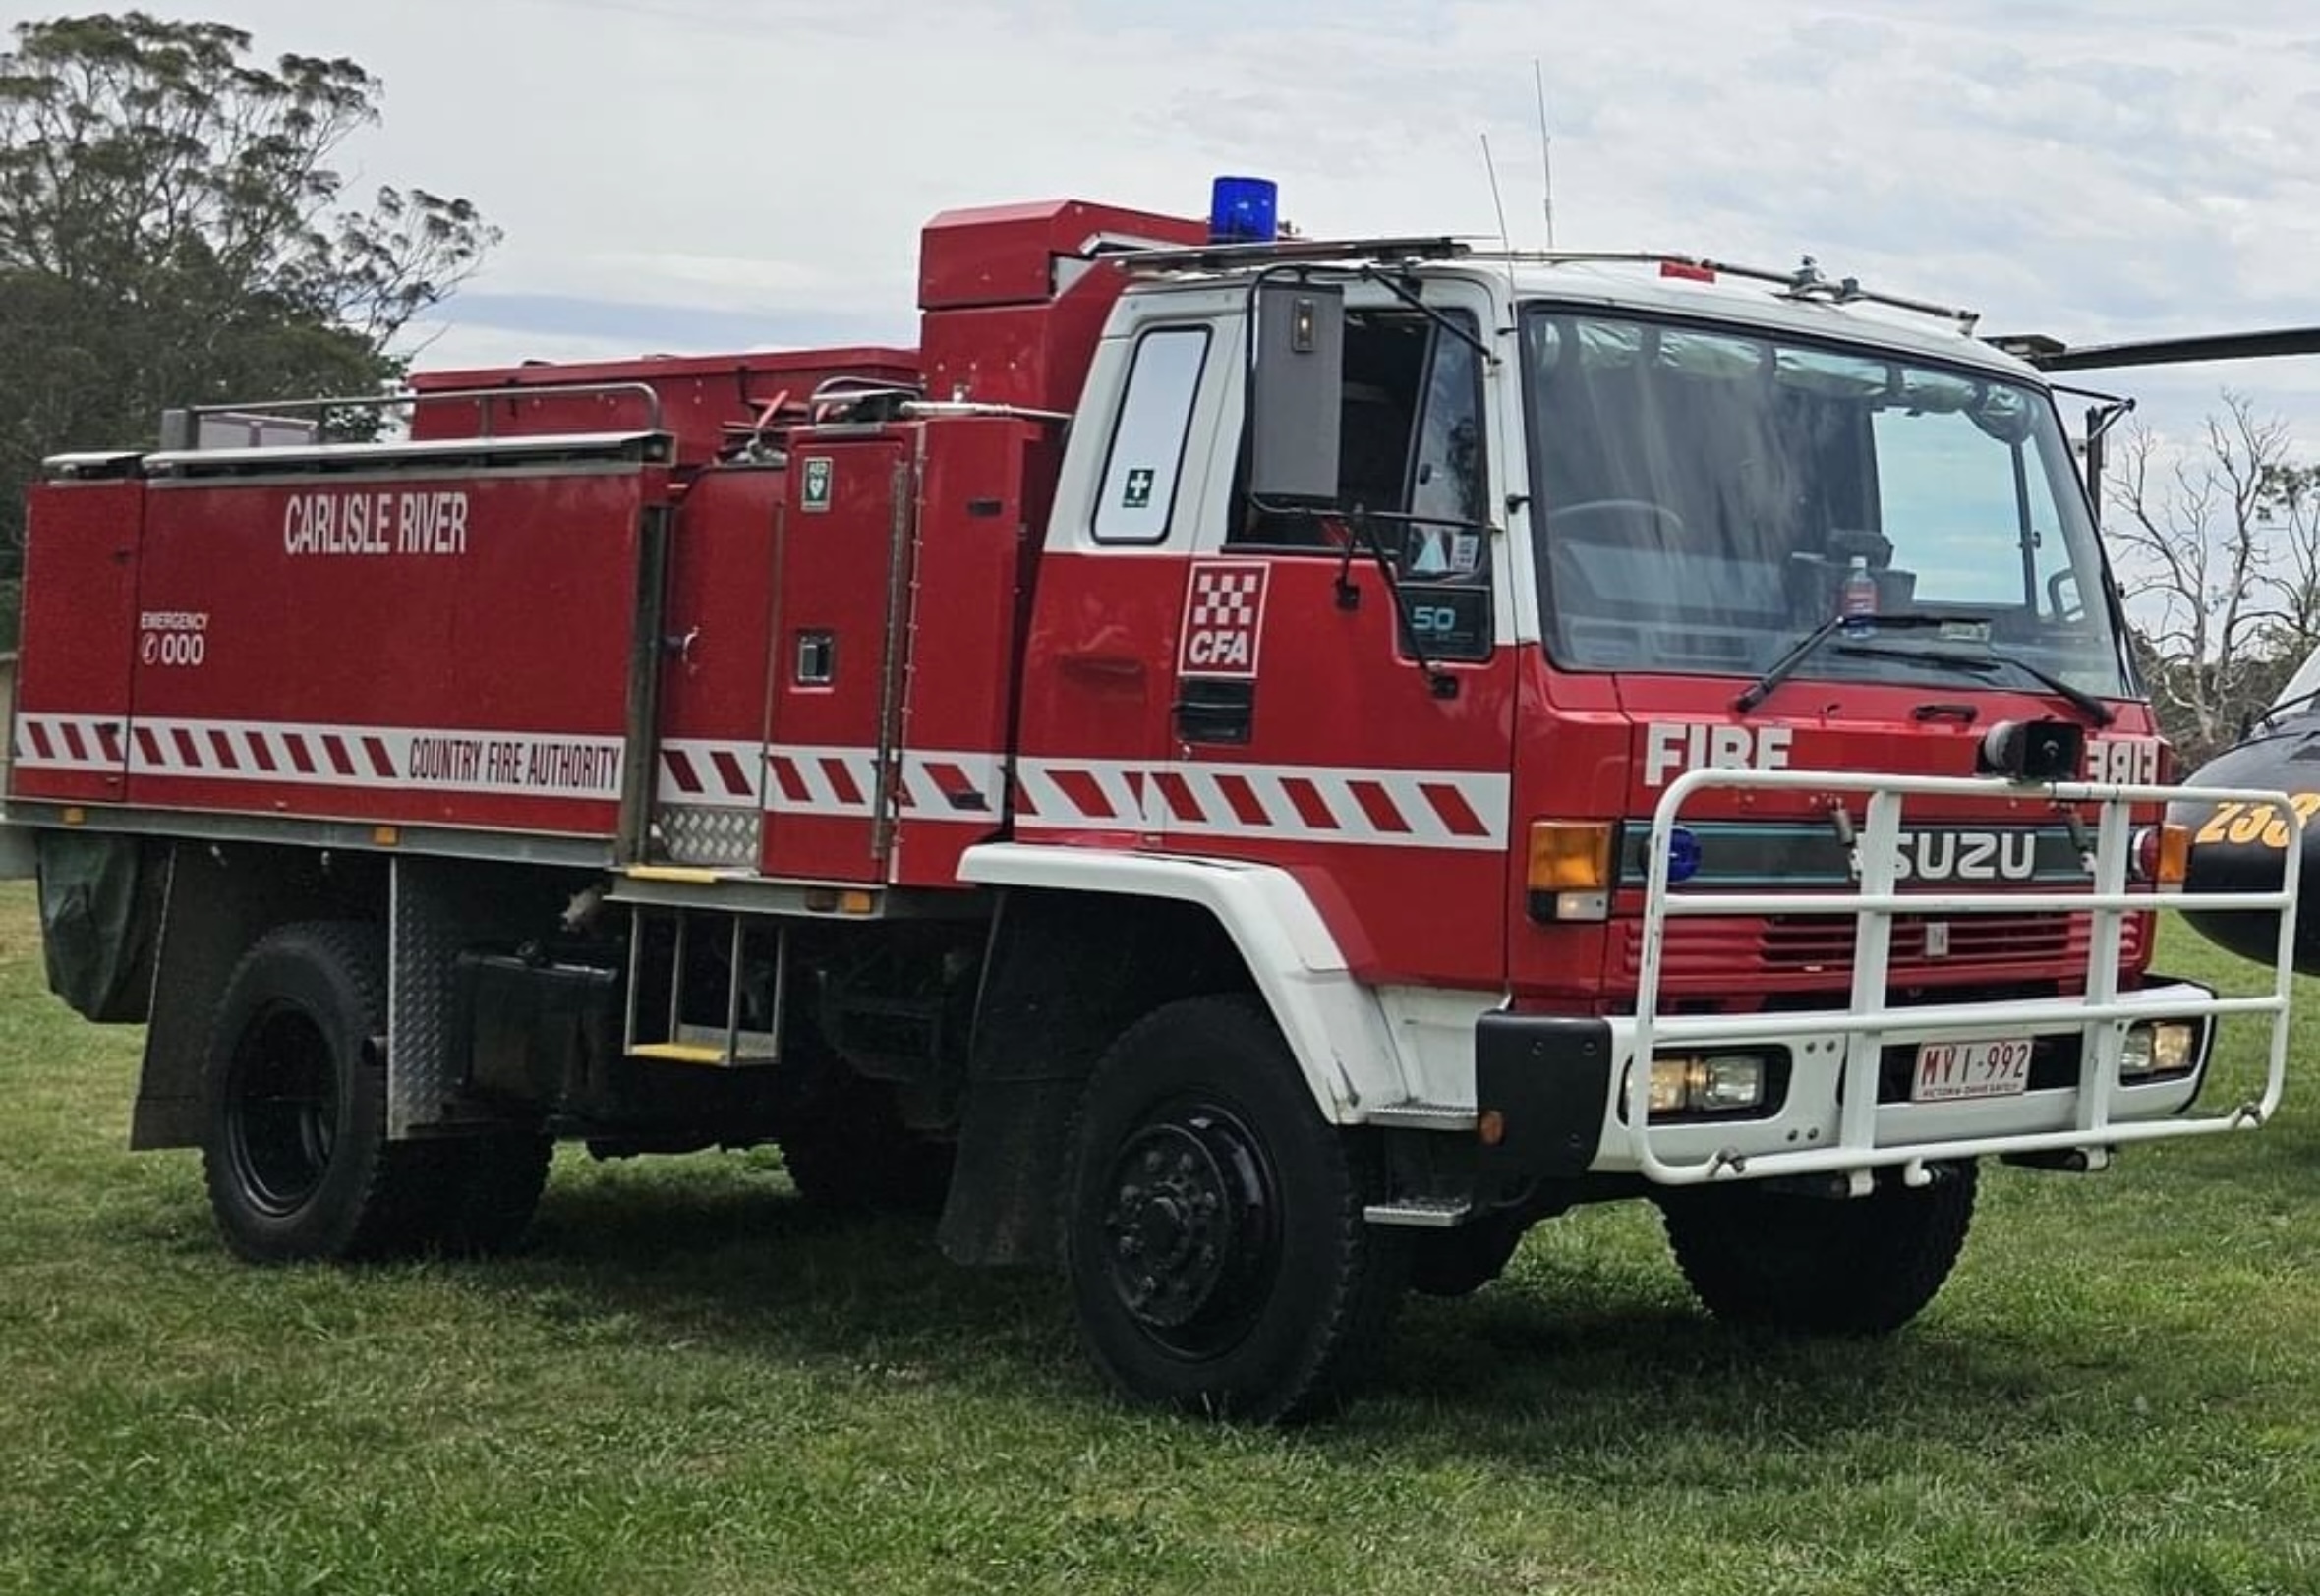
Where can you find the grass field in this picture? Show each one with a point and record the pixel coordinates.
(690, 1384)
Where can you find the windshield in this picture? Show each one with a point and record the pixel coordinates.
(1706, 495)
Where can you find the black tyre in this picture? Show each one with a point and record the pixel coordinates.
(847, 1150)
(296, 1156)
(1459, 1262)
(490, 1188)
(1213, 1223)
(1821, 1266)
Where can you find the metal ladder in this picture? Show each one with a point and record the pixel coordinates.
(677, 1034)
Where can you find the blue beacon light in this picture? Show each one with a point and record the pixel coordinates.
(1683, 855)
(1243, 211)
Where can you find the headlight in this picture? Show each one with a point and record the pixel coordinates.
(2159, 1047)
(1708, 1083)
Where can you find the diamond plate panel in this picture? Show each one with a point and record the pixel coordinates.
(709, 835)
(439, 907)
(419, 1084)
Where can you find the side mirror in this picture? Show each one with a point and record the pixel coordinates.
(1294, 389)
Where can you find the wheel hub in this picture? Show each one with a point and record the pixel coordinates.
(1185, 1195)
(282, 1118)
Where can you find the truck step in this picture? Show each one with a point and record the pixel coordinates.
(1420, 1212)
(706, 1045)
(1416, 1116)
(677, 1052)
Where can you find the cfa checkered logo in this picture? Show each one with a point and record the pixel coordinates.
(1224, 616)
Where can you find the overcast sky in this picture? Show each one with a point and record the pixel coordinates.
(682, 175)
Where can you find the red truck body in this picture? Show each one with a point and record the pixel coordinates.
(930, 740)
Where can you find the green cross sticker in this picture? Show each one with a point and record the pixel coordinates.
(1139, 489)
(815, 492)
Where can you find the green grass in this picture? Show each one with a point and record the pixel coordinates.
(692, 1385)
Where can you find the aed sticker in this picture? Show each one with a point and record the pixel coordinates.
(820, 475)
(1137, 494)
(1223, 618)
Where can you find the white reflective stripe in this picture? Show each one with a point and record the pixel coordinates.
(722, 774)
(932, 785)
(517, 763)
(1391, 808)
(816, 770)
(1373, 807)
(68, 742)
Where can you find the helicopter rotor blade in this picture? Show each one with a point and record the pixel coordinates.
(2221, 346)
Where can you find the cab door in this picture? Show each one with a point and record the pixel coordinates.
(1315, 721)
(1099, 666)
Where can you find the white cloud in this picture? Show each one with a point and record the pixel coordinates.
(2101, 171)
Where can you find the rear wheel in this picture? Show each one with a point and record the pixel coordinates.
(848, 1151)
(1821, 1266)
(295, 1155)
(490, 1188)
(1215, 1238)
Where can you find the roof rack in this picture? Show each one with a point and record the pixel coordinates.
(1804, 282)
(1234, 257)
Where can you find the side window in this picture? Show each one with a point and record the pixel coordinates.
(1138, 498)
(1410, 455)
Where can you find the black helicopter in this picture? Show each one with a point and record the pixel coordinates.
(2233, 847)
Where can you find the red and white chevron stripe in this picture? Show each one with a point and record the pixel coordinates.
(529, 763)
(703, 773)
(68, 742)
(844, 781)
(1408, 809)
(1389, 807)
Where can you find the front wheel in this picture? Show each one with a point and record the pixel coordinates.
(1214, 1239)
(1821, 1266)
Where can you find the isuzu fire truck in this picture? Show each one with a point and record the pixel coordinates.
(1253, 768)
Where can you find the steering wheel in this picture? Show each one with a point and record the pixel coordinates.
(1618, 506)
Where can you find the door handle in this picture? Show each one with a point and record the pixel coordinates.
(1215, 709)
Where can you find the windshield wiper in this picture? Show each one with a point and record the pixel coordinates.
(1802, 649)
(2085, 703)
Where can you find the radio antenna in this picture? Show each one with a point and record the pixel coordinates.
(1505, 239)
(1546, 149)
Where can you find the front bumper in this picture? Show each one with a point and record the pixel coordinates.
(1561, 1089)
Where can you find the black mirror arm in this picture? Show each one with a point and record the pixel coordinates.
(1448, 323)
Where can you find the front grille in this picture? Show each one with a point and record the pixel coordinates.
(1972, 941)
(1819, 947)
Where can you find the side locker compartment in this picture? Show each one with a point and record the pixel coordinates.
(709, 794)
(970, 599)
(458, 635)
(839, 655)
(81, 637)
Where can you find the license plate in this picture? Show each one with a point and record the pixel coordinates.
(1951, 1071)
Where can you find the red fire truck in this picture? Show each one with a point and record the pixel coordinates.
(1252, 768)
